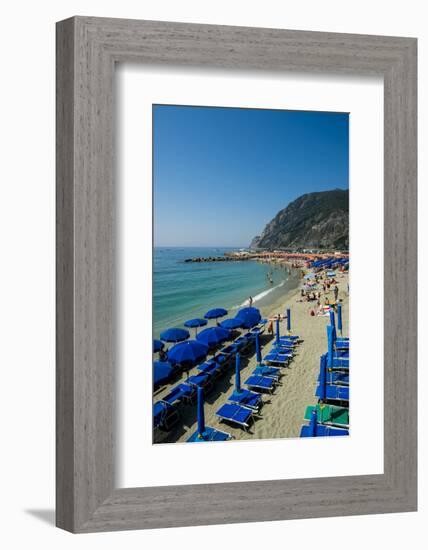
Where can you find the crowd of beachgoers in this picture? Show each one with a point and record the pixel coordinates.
(263, 373)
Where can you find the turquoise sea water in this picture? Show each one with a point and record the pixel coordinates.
(183, 291)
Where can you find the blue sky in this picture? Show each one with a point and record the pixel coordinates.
(221, 174)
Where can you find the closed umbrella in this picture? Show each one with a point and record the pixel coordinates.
(330, 337)
(203, 432)
(201, 415)
(289, 320)
(323, 377)
(332, 319)
(313, 424)
(174, 335)
(339, 318)
(258, 354)
(238, 373)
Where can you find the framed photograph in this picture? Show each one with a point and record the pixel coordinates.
(236, 267)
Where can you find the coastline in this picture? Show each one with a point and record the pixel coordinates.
(283, 412)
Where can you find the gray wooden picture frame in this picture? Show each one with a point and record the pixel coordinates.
(87, 51)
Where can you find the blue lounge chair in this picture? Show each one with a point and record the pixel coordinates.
(265, 370)
(326, 391)
(181, 392)
(323, 431)
(236, 414)
(247, 398)
(337, 377)
(212, 368)
(340, 363)
(165, 416)
(221, 359)
(336, 359)
(341, 345)
(333, 393)
(261, 383)
(314, 429)
(231, 349)
(289, 339)
(201, 380)
(209, 434)
(285, 346)
(278, 358)
(242, 396)
(205, 433)
(245, 341)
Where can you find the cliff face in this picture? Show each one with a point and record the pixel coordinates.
(316, 220)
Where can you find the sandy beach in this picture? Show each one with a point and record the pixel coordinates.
(283, 411)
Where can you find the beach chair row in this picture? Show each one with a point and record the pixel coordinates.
(330, 416)
(245, 404)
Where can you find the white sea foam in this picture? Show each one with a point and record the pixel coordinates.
(261, 295)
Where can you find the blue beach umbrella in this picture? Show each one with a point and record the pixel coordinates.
(339, 318)
(195, 323)
(213, 336)
(250, 316)
(215, 313)
(258, 354)
(231, 324)
(288, 320)
(238, 373)
(157, 345)
(162, 371)
(248, 310)
(174, 335)
(187, 353)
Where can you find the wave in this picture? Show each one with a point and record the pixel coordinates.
(261, 295)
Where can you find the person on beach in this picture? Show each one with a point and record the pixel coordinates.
(336, 292)
(250, 301)
(163, 356)
(270, 327)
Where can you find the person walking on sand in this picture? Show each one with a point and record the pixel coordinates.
(336, 292)
(250, 301)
